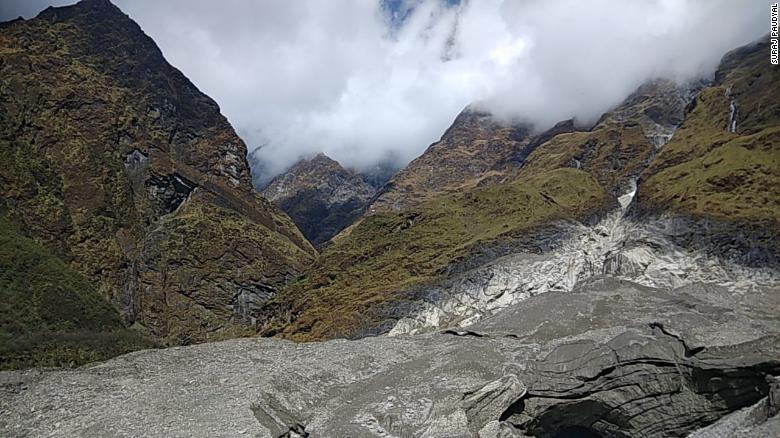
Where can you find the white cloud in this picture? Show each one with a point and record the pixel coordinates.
(310, 75)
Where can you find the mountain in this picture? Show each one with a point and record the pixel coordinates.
(321, 197)
(119, 166)
(380, 264)
(480, 150)
(445, 244)
(623, 141)
(466, 153)
(723, 163)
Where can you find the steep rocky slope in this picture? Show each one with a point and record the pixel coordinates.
(609, 359)
(320, 196)
(119, 165)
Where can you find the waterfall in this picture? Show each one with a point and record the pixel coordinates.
(733, 116)
(732, 126)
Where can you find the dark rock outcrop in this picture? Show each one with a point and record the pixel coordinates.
(760, 419)
(378, 175)
(640, 384)
(320, 196)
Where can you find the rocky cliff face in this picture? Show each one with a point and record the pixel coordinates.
(320, 196)
(115, 161)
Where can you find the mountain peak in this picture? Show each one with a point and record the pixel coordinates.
(321, 196)
(321, 156)
(469, 149)
(318, 162)
(93, 9)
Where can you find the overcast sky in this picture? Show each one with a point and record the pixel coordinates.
(362, 80)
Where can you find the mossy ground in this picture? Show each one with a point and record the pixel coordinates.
(50, 315)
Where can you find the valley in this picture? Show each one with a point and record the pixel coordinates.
(619, 278)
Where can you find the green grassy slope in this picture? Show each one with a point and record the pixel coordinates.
(707, 171)
(49, 314)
